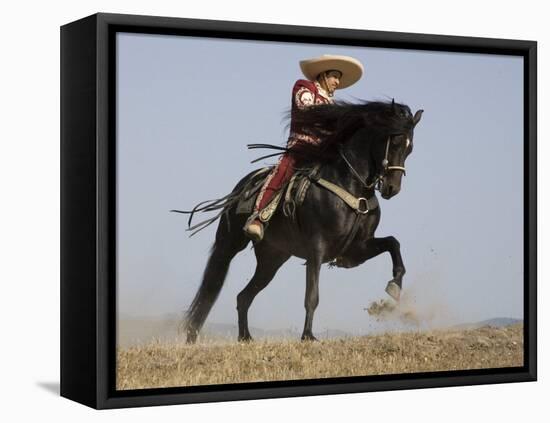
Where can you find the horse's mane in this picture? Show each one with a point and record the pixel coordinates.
(336, 123)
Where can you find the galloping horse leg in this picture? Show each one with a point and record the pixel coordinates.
(312, 297)
(372, 248)
(268, 261)
(376, 246)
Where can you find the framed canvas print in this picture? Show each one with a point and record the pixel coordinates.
(258, 211)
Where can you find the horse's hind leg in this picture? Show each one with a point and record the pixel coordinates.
(228, 243)
(312, 296)
(268, 262)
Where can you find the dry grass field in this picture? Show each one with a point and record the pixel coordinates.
(162, 364)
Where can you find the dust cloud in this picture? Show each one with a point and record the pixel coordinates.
(423, 306)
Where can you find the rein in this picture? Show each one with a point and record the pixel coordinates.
(385, 167)
(353, 171)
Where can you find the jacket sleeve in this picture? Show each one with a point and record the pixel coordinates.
(303, 94)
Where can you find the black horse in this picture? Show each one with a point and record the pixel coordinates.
(363, 148)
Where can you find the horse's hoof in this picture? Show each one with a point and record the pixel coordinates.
(393, 290)
(309, 338)
(191, 336)
(245, 339)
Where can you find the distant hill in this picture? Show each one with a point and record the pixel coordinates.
(143, 330)
(220, 330)
(217, 330)
(497, 322)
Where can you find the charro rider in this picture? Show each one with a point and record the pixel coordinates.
(324, 75)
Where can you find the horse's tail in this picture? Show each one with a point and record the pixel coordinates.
(244, 190)
(228, 243)
(230, 239)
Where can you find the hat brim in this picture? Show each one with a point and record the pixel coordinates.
(351, 68)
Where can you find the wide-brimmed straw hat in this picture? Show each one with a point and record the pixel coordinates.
(351, 68)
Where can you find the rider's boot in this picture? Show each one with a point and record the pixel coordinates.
(254, 228)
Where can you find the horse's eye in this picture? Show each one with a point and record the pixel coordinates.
(397, 140)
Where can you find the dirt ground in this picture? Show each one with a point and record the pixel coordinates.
(164, 364)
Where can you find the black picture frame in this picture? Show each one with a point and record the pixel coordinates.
(88, 238)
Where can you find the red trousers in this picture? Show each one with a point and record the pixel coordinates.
(280, 175)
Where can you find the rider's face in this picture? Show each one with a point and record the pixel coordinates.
(332, 80)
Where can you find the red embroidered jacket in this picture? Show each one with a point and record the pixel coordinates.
(304, 94)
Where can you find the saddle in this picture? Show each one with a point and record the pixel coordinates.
(292, 193)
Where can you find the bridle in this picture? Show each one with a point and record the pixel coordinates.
(385, 166)
(385, 162)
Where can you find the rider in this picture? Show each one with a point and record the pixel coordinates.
(324, 75)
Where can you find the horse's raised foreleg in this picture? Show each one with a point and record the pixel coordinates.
(372, 248)
(376, 246)
(268, 262)
(312, 297)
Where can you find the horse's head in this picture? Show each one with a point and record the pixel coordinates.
(394, 146)
(378, 137)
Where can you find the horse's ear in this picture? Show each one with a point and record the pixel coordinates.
(393, 105)
(417, 116)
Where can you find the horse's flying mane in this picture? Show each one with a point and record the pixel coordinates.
(335, 123)
(377, 115)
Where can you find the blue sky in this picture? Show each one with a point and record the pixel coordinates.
(187, 107)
